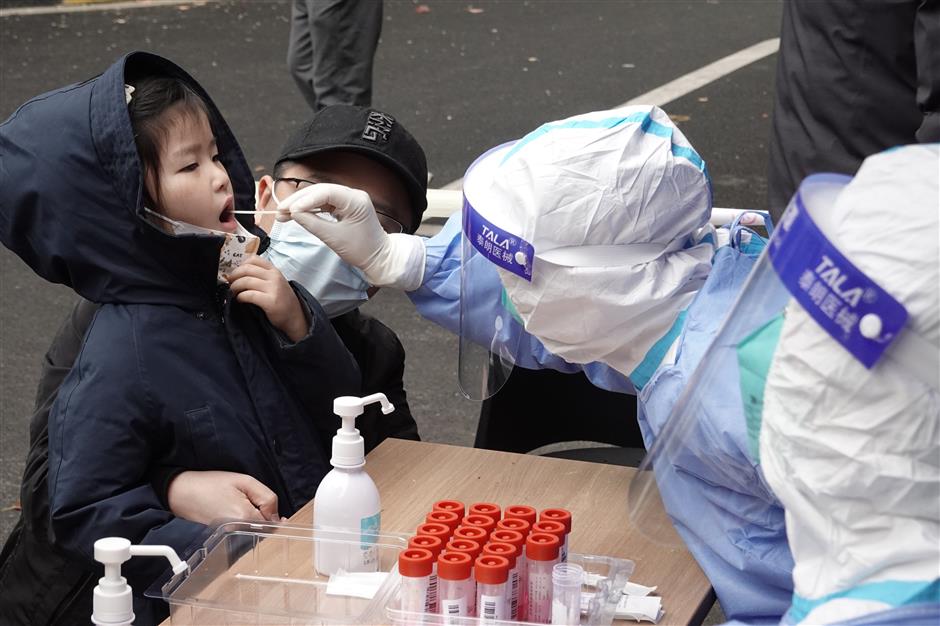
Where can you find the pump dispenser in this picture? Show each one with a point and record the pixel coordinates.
(113, 603)
(347, 499)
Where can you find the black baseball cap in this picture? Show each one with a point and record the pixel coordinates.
(369, 132)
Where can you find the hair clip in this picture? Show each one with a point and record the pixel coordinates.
(128, 90)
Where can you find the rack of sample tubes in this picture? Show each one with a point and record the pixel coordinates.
(509, 569)
(486, 565)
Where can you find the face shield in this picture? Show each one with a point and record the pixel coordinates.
(581, 234)
(819, 391)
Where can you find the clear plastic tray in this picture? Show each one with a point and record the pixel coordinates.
(248, 573)
(254, 574)
(604, 578)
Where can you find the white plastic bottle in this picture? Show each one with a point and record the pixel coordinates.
(347, 499)
(113, 603)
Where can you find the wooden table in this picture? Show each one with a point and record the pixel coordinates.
(411, 476)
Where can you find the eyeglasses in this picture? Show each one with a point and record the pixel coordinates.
(283, 187)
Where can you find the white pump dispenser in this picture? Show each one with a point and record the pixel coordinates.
(113, 604)
(347, 499)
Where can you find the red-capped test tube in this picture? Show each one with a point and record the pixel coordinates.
(480, 521)
(467, 546)
(473, 550)
(562, 516)
(447, 518)
(473, 533)
(488, 509)
(492, 574)
(515, 523)
(508, 551)
(517, 540)
(435, 530)
(455, 506)
(435, 546)
(541, 552)
(415, 565)
(457, 590)
(557, 529)
(521, 511)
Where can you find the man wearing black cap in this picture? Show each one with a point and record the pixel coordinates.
(368, 150)
(352, 131)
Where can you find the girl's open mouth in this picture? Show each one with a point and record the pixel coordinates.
(227, 217)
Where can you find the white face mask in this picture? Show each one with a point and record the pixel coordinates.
(301, 257)
(237, 247)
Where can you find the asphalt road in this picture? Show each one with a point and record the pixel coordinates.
(462, 77)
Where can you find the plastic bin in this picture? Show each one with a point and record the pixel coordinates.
(604, 577)
(249, 574)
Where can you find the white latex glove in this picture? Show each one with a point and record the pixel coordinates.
(355, 234)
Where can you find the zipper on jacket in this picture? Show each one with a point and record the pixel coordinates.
(221, 300)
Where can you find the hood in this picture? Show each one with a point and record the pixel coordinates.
(72, 201)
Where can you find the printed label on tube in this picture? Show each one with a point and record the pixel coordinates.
(492, 607)
(453, 609)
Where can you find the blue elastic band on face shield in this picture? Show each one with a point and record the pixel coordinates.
(847, 304)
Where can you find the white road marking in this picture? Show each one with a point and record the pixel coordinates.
(688, 83)
(106, 6)
(664, 94)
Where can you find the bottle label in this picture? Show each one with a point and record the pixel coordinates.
(369, 528)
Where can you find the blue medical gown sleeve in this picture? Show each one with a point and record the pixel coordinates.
(438, 300)
(907, 615)
(732, 524)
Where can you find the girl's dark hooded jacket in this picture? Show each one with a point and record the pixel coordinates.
(173, 372)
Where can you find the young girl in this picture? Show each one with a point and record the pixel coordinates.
(201, 356)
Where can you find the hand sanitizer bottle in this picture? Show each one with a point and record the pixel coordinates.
(113, 603)
(347, 499)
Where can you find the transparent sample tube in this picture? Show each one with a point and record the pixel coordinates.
(485, 508)
(507, 550)
(492, 575)
(562, 516)
(473, 550)
(473, 533)
(517, 540)
(415, 565)
(541, 551)
(447, 518)
(566, 593)
(515, 523)
(480, 521)
(434, 546)
(450, 505)
(457, 589)
(521, 511)
(435, 530)
(557, 529)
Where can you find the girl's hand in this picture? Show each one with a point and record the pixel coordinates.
(256, 281)
(205, 497)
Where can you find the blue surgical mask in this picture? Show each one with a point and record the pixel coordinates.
(301, 257)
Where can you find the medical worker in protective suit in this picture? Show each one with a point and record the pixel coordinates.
(832, 353)
(609, 208)
(606, 264)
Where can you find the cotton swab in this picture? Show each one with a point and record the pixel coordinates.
(274, 212)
